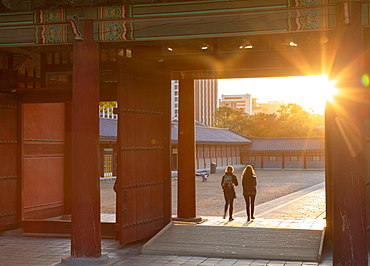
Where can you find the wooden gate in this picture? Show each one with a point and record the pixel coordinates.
(8, 158)
(144, 177)
(43, 160)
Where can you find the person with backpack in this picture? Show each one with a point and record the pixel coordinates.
(228, 182)
(249, 183)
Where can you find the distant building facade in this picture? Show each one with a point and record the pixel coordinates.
(174, 98)
(206, 91)
(271, 107)
(285, 153)
(108, 142)
(227, 104)
(224, 147)
(240, 101)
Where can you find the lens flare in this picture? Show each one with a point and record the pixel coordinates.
(330, 91)
(365, 80)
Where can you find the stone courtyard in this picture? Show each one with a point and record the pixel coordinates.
(272, 184)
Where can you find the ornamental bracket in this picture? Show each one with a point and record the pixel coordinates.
(76, 22)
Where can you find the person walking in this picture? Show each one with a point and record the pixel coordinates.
(249, 183)
(228, 182)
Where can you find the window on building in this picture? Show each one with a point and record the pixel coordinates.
(108, 165)
(176, 85)
(272, 158)
(206, 154)
(213, 154)
(252, 158)
(316, 158)
(294, 158)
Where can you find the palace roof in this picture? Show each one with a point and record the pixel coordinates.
(212, 135)
(108, 131)
(205, 135)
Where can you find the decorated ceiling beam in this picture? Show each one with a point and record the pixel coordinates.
(162, 21)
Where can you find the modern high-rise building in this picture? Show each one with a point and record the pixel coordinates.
(241, 101)
(174, 98)
(206, 91)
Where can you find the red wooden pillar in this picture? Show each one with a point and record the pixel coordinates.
(348, 141)
(85, 225)
(186, 202)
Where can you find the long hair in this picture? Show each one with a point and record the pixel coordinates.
(248, 170)
(229, 169)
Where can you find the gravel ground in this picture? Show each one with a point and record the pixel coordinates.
(272, 184)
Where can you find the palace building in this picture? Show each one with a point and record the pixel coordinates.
(59, 59)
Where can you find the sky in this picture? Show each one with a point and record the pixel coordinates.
(310, 92)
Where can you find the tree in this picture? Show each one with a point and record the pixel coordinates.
(291, 121)
(107, 105)
(296, 122)
(234, 119)
(263, 125)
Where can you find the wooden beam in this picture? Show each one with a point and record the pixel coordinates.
(59, 227)
(244, 65)
(60, 93)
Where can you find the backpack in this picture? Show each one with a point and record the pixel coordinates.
(228, 181)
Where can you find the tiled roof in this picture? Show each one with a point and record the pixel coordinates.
(108, 129)
(203, 135)
(212, 135)
(287, 144)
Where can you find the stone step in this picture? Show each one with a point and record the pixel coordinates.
(237, 242)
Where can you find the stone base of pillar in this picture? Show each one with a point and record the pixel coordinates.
(103, 260)
(189, 220)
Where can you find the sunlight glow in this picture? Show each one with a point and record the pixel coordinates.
(330, 91)
(311, 92)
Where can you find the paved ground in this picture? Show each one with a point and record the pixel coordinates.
(296, 202)
(272, 184)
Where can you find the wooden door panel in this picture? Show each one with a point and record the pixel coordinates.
(8, 158)
(142, 161)
(43, 160)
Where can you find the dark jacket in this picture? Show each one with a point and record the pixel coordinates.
(249, 183)
(228, 182)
